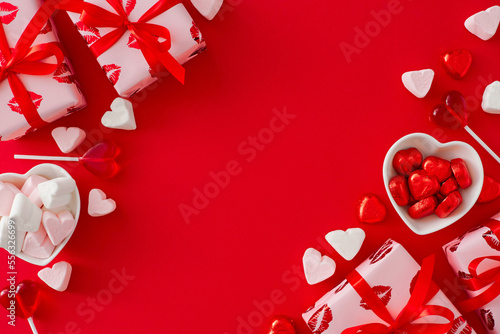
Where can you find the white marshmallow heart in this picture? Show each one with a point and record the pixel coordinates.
(418, 82)
(67, 139)
(491, 98)
(207, 8)
(347, 243)
(25, 214)
(317, 268)
(121, 115)
(99, 205)
(485, 23)
(58, 276)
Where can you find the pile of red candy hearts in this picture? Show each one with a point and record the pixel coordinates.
(429, 185)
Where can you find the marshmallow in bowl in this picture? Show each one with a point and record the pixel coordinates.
(56, 192)
(25, 214)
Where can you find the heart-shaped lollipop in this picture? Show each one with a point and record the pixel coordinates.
(25, 299)
(452, 113)
(99, 160)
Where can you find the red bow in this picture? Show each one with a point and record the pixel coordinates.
(26, 59)
(416, 307)
(482, 280)
(155, 52)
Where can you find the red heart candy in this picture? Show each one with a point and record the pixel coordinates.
(448, 205)
(100, 159)
(282, 325)
(456, 63)
(490, 191)
(461, 173)
(406, 161)
(423, 208)
(448, 186)
(398, 186)
(422, 185)
(371, 209)
(26, 297)
(438, 167)
(452, 113)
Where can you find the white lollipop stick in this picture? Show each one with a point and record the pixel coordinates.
(482, 143)
(32, 325)
(43, 157)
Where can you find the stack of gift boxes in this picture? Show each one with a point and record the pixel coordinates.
(388, 292)
(135, 42)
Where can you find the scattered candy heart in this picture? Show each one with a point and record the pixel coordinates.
(398, 186)
(456, 63)
(490, 191)
(448, 205)
(418, 82)
(99, 205)
(58, 276)
(491, 98)
(461, 173)
(207, 8)
(484, 24)
(99, 160)
(406, 161)
(317, 268)
(282, 324)
(423, 208)
(121, 115)
(347, 243)
(371, 209)
(27, 295)
(67, 139)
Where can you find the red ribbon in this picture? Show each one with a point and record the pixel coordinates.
(490, 277)
(156, 53)
(25, 59)
(416, 307)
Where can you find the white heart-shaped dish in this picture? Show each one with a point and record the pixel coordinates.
(430, 146)
(49, 171)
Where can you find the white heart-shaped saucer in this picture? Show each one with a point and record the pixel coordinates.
(430, 146)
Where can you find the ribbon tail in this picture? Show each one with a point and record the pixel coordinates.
(163, 60)
(484, 298)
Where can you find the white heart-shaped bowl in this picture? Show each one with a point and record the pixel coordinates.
(49, 171)
(430, 146)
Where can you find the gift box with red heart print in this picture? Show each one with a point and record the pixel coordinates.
(387, 293)
(37, 83)
(475, 258)
(136, 42)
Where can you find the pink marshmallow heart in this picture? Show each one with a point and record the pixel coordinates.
(68, 138)
(99, 205)
(59, 226)
(30, 189)
(37, 244)
(58, 276)
(317, 268)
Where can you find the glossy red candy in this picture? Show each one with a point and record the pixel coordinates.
(490, 191)
(282, 324)
(398, 187)
(448, 186)
(456, 63)
(438, 167)
(423, 208)
(461, 173)
(452, 113)
(26, 297)
(422, 185)
(448, 205)
(406, 161)
(371, 209)
(100, 159)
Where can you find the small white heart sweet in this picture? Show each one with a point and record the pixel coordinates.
(67, 139)
(99, 205)
(58, 276)
(347, 243)
(121, 115)
(317, 268)
(491, 98)
(484, 24)
(207, 8)
(418, 82)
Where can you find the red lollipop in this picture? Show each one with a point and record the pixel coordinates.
(452, 113)
(99, 160)
(21, 301)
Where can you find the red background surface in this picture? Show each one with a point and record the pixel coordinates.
(239, 252)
